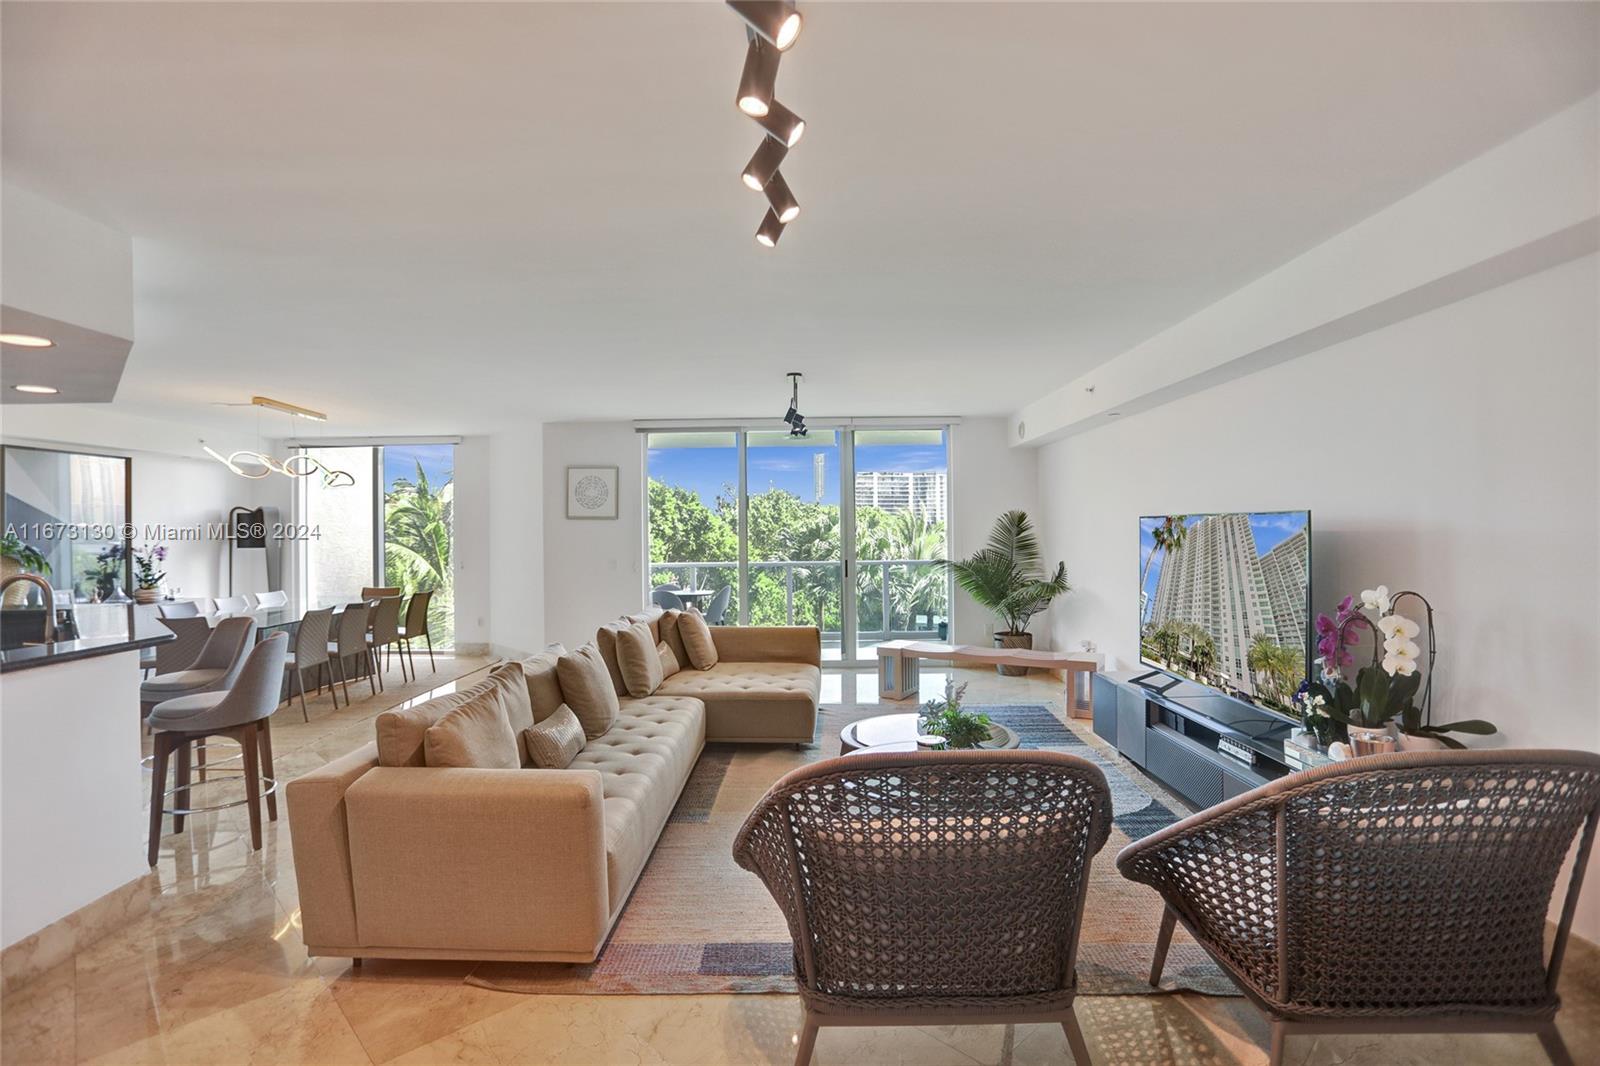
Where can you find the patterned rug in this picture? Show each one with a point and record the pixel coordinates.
(697, 923)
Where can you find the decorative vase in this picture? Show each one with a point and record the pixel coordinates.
(1371, 740)
(146, 595)
(1411, 743)
(1012, 640)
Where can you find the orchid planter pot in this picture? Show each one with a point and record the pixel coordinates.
(1012, 640)
(146, 595)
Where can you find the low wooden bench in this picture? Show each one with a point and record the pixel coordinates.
(899, 670)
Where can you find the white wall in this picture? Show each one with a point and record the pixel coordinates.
(1455, 453)
(515, 578)
(593, 569)
(469, 554)
(989, 477)
(64, 265)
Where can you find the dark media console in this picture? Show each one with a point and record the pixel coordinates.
(1203, 745)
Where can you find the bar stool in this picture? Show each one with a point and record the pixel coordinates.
(213, 669)
(310, 652)
(241, 713)
(384, 634)
(416, 628)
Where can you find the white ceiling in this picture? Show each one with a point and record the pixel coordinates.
(440, 218)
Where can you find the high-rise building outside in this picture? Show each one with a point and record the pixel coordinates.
(921, 491)
(1285, 569)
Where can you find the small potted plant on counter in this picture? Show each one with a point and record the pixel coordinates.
(1384, 699)
(1008, 578)
(18, 558)
(146, 577)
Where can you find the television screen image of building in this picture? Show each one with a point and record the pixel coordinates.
(1223, 600)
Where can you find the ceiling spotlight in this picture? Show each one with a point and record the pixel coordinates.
(771, 229)
(760, 78)
(26, 340)
(782, 200)
(37, 390)
(783, 124)
(793, 418)
(776, 21)
(764, 164)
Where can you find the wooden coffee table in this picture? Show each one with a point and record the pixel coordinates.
(898, 729)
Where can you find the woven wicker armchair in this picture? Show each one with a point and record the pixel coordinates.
(1396, 894)
(931, 888)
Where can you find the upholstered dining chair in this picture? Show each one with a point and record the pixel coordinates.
(239, 713)
(907, 878)
(310, 653)
(349, 641)
(383, 635)
(378, 592)
(667, 598)
(1397, 893)
(416, 628)
(179, 609)
(232, 604)
(274, 598)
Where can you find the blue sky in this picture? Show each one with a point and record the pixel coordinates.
(786, 467)
(400, 461)
(1269, 528)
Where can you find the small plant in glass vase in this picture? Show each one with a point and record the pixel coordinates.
(945, 718)
(1387, 689)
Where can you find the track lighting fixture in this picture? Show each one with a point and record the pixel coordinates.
(776, 21)
(793, 418)
(782, 124)
(764, 164)
(782, 200)
(760, 78)
(771, 229)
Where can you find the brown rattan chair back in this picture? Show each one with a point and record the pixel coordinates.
(942, 881)
(385, 620)
(1398, 886)
(417, 614)
(311, 639)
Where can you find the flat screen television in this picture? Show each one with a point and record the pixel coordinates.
(1225, 600)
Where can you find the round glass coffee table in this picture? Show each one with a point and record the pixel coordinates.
(900, 730)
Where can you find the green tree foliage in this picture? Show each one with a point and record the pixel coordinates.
(684, 529)
(417, 536)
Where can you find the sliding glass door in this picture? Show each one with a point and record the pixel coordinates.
(392, 528)
(761, 522)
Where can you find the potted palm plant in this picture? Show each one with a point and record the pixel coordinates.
(1008, 577)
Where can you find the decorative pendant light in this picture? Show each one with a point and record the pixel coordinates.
(771, 28)
(256, 465)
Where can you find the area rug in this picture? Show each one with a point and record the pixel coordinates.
(697, 923)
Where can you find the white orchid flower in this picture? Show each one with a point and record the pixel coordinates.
(1398, 625)
(1401, 648)
(1396, 664)
(1376, 599)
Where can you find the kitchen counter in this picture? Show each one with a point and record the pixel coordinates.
(118, 628)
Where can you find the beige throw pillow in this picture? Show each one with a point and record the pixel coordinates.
(476, 734)
(586, 684)
(554, 742)
(544, 688)
(605, 638)
(669, 661)
(668, 628)
(641, 665)
(697, 639)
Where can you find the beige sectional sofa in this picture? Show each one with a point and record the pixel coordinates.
(422, 862)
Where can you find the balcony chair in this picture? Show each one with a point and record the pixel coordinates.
(1401, 893)
(718, 605)
(416, 628)
(906, 879)
(667, 598)
(240, 713)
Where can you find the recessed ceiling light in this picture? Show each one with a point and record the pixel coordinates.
(1113, 414)
(26, 340)
(760, 76)
(38, 390)
(776, 21)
